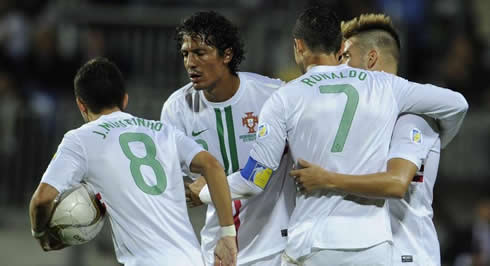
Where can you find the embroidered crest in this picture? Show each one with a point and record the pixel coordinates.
(250, 121)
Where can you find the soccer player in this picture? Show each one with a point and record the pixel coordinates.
(373, 44)
(135, 166)
(342, 119)
(219, 109)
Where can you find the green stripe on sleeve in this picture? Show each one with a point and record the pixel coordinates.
(219, 127)
(231, 139)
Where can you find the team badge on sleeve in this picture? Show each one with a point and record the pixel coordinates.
(416, 136)
(263, 131)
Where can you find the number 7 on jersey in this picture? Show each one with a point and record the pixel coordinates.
(347, 116)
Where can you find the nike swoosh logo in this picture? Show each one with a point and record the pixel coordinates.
(198, 132)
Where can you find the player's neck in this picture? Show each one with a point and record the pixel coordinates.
(92, 117)
(224, 89)
(321, 60)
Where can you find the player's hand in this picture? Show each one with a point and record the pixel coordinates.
(192, 191)
(310, 177)
(50, 242)
(226, 251)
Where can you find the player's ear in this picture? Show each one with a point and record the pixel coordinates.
(299, 45)
(228, 55)
(125, 101)
(372, 59)
(341, 51)
(81, 106)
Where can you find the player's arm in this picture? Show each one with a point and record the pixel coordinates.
(65, 170)
(412, 139)
(41, 207)
(447, 106)
(205, 164)
(200, 161)
(393, 183)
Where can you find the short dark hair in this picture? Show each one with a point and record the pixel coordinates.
(215, 30)
(100, 84)
(319, 27)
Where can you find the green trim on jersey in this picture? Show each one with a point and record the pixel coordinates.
(235, 166)
(219, 127)
(231, 139)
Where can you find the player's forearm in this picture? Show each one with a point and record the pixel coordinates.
(40, 212)
(220, 193)
(379, 185)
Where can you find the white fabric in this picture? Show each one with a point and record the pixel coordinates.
(378, 255)
(228, 130)
(414, 234)
(307, 113)
(147, 229)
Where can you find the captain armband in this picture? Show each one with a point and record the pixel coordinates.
(256, 173)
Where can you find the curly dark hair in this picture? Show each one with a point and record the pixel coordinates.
(216, 31)
(100, 84)
(319, 27)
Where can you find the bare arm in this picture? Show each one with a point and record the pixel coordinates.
(41, 206)
(40, 209)
(390, 184)
(214, 174)
(226, 250)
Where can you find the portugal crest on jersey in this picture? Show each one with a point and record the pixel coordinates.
(250, 121)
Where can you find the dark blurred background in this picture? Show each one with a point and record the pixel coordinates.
(42, 44)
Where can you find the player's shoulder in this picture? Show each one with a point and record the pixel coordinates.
(260, 81)
(179, 96)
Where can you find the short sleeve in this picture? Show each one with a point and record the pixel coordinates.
(271, 133)
(68, 166)
(187, 148)
(412, 139)
(172, 115)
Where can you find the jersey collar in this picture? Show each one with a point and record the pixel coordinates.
(238, 94)
(320, 68)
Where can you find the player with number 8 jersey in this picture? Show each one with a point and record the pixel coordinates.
(136, 167)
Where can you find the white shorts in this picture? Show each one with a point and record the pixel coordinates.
(271, 260)
(378, 255)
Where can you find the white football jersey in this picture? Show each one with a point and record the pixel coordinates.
(414, 234)
(228, 130)
(135, 165)
(342, 119)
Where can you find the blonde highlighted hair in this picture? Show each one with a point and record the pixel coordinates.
(368, 23)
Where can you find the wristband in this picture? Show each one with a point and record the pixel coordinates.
(38, 234)
(228, 230)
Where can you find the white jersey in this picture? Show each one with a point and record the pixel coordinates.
(228, 130)
(135, 164)
(414, 234)
(342, 119)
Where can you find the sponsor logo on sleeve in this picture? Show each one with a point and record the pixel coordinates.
(263, 131)
(416, 136)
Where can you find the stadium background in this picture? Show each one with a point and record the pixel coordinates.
(42, 43)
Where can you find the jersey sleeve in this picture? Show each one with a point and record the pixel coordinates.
(187, 149)
(448, 106)
(271, 133)
(68, 166)
(412, 139)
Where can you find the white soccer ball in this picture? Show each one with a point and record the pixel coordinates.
(78, 215)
